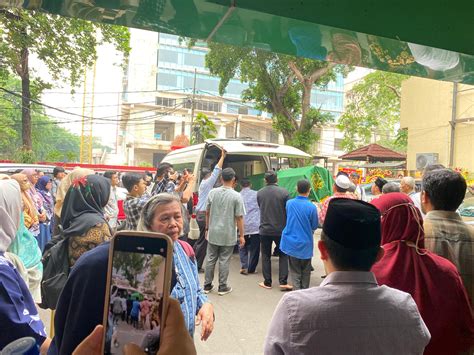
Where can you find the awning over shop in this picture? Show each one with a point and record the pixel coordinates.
(424, 38)
(374, 153)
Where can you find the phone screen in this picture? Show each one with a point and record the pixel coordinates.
(137, 286)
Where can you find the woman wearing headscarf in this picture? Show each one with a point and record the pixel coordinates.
(61, 192)
(82, 216)
(18, 314)
(43, 186)
(432, 281)
(81, 304)
(33, 177)
(29, 210)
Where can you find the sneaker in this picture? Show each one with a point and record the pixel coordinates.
(262, 284)
(286, 287)
(225, 291)
(244, 271)
(208, 288)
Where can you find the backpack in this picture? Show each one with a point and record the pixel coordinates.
(55, 270)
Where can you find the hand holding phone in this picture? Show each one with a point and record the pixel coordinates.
(138, 287)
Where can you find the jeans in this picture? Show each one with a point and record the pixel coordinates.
(215, 253)
(250, 253)
(300, 272)
(200, 246)
(266, 242)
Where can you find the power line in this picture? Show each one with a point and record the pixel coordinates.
(104, 118)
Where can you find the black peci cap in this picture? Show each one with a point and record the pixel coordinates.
(353, 224)
(380, 182)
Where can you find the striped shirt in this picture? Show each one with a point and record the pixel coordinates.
(187, 290)
(206, 186)
(448, 236)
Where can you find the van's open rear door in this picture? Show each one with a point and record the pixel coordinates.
(258, 148)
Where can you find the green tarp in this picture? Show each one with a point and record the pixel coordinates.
(320, 178)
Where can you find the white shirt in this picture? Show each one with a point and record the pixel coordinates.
(348, 314)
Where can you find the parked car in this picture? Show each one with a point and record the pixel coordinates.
(246, 157)
(14, 168)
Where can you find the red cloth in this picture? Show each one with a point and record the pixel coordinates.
(432, 281)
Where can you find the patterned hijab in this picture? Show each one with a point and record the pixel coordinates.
(84, 204)
(10, 210)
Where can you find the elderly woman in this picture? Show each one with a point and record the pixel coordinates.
(432, 281)
(18, 313)
(81, 303)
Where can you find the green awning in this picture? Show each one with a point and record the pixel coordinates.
(432, 39)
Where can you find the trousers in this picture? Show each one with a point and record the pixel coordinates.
(222, 254)
(200, 245)
(266, 242)
(250, 253)
(300, 272)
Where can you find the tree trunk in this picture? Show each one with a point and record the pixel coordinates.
(25, 100)
(305, 104)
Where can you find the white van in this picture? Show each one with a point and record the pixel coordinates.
(246, 157)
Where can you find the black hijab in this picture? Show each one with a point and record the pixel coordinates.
(83, 205)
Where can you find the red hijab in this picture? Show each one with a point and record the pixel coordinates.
(432, 281)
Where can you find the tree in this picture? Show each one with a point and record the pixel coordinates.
(50, 142)
(373, 112)
(203, 129)
(67, 46)
(279, 84)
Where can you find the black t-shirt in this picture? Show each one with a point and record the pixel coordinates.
(272, 202)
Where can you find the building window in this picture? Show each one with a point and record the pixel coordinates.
(168, 56)
(164, 131)
(165, 79)
(338, 144)
(202, 105)
(165, 101)
(272, 136)
(194, 60)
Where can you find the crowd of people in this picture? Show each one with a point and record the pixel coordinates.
(398, 270)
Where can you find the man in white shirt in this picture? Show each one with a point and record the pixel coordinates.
(348, 313)
(112, 210)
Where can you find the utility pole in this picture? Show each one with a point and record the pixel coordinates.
(236, 130)
(193, 103)
(453, 124)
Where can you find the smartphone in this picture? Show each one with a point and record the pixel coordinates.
(138, 287)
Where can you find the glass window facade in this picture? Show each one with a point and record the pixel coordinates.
(176, 65)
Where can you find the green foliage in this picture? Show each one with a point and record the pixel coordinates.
(279, 84)
(24, 156)
(373, 110)
(203, 128)
(50, 141)
(66, 46)
(130, 264)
